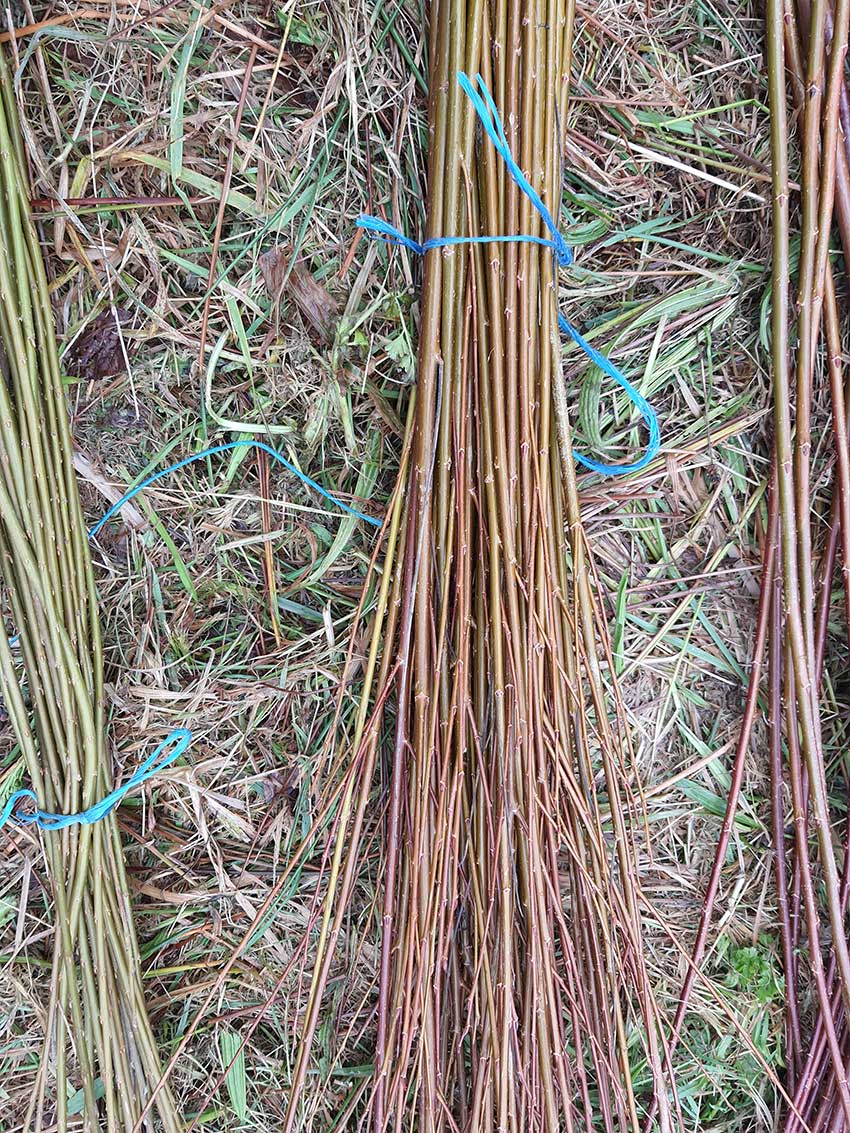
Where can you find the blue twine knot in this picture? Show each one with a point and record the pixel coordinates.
(177, 742)
(491, 122)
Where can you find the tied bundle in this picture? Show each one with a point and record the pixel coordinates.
(97, 1037)
(512, 990)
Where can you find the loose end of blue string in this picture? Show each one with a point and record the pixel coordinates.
(170, 749)
(378, 227)
(638, 400)
(229, 447)
(163, 472)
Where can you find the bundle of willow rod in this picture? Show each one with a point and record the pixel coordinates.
(512, 991)
(806, 49)
(97, 1037)
(813, 52)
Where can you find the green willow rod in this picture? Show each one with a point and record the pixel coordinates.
(97, 1035)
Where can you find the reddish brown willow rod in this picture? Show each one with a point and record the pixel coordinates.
(817, 1062)
(512, 991)
(797, 633)
(816, 1070)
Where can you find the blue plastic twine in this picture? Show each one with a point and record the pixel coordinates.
(181, 737)
(491, 122)
(146, 483)
(116, 507)
(177, 742)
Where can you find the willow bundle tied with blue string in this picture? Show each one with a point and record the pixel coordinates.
(97, 1040)
(512, 991)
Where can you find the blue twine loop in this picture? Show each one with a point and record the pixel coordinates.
(116, 507)
(181, 737)
(635, 396)
(146, 483)
(491, 123)
(177, 742)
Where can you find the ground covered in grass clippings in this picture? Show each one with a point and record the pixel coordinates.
(209, 284)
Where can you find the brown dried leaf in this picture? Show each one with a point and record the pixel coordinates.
(273, 266)
(318, 307)
(98, 352)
